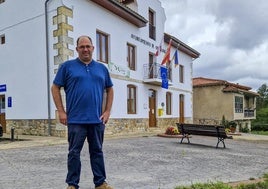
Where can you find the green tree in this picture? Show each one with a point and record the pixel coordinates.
(261, 121)
(262, 100)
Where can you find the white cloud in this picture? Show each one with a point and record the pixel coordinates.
(232, 37)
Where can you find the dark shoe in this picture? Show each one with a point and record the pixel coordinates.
(104, 186)
(70, 187)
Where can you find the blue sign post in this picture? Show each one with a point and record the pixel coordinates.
(9, 101)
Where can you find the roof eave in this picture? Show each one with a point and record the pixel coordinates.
(122, 11)
(181, 46)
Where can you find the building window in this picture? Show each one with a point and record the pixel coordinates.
(131, 99)
(238, 104)
(168, 103)
(2, 1)
(2, 104)
(131, 56)
(181, 72)
(151, 68)
(169, 71)
(2, 39)
(102, 47)
(152, 24)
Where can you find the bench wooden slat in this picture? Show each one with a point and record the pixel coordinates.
(204, 130)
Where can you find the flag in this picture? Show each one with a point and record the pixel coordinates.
(176, 58)
(159, 48)
(167, 55)
(164, 78)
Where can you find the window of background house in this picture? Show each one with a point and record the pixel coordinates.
(2, 39)
(131, 56)
(181, 72)
(131, 99)
(152, 24)
(102, 47)
(238, 104)
(168, 103)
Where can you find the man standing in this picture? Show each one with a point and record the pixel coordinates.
(85, 82)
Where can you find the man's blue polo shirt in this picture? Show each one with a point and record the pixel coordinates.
(84, 86)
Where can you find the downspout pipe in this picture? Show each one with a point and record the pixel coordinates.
(48, 69)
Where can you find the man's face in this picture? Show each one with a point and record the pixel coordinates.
(85, 49)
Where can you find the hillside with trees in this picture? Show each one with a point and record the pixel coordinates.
(261, 122)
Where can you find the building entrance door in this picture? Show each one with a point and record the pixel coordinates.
(3, 112)
(152, 108)
(181, 106)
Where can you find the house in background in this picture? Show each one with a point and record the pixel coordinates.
(214, 98)
(126, 35)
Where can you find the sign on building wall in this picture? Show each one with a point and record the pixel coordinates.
(118, 70)
(3, 88)
(9, 101)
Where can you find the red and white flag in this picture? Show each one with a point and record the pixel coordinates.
(167, 55)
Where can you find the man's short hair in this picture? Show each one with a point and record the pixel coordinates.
(77, 41)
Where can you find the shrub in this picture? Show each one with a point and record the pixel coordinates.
(172, 131)
(259, 127)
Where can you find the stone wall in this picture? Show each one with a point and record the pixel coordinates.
(115, 127)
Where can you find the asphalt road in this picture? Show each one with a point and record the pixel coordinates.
(138, 163)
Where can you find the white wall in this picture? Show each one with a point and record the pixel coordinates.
(23, 66)
(89, 17)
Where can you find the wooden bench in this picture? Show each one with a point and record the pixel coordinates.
(187, 129)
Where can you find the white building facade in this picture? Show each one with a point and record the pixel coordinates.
(36, 37)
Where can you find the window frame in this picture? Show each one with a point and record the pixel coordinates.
(168, 103)
(2, 104)
(239, 104)
(131, 92)
(152, 27)
(181, 73)
(100, 47)
(131, 56)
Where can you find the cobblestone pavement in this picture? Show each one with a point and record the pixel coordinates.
(138, 163)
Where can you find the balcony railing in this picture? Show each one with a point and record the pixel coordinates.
(249, 113)
(152, 74)
(151, 71)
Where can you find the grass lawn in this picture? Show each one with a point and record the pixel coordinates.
(263, 184)
(259, 132)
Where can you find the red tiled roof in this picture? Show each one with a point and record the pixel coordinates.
(200, 81)
(229, 87)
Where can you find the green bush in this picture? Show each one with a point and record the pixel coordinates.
(261, 121)
(259, 127)
(244, 129)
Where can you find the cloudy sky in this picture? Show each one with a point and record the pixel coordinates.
(231, 35)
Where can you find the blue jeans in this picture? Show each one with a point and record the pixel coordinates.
(77, 133)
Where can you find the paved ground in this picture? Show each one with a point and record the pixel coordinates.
(135, 163)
